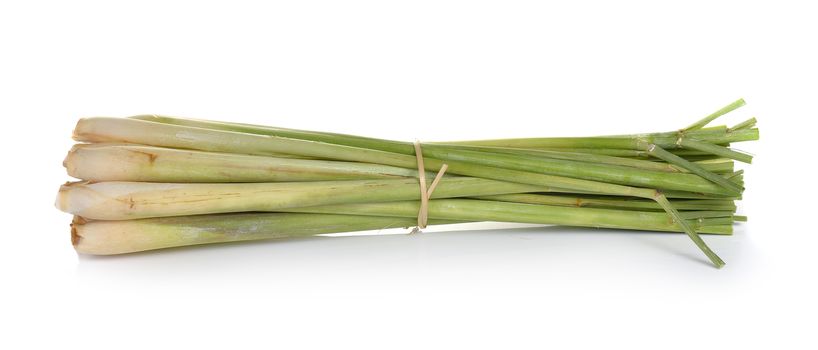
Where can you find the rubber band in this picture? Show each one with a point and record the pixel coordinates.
(425, 194)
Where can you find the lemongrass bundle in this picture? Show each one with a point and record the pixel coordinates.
(152, 182)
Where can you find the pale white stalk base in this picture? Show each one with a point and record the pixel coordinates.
(137, 200)
(128, 236)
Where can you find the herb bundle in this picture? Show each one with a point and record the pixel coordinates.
(152, 182)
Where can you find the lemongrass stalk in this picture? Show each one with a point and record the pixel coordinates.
(711, 130)
(681, 152)
(127, 162)
(749, 123)
(610, 142)
(715, 259)
(611, 202)
(739, 172)
(718, 165)
(716, 221)
(379, 144)
(732, 136)
(325, 137)
(708, 214)
(613, 152)
(693, 195)
(706, 120)
(716, 150)
(665, 139)
(135, 200)
(621, 153)
(120, 237)
(736, 176)
(103, 129)
(482, 210)
(694, 159)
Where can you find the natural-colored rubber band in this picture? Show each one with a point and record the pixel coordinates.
(425, 194)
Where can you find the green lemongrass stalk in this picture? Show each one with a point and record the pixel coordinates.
(606, 144)
(747, 124)
(325, 137)
(664, 138)
(387, 145)
(735, 174)
(400, 147)
(695, 159)
(710, 130)
(689, 154)
(127, 162)
(482, 210)
(129, 236)
(621, 153)
(610, 202)
(706, 120)
(708, 214)
(722, 139)
(721, 222)
(613, 152)
(716, 222)
(693, 195)
(736, 177)
(716, 150)
(136, 200)
(120, 237)
(717, 165)
(674, 214)
(612, 142)
(681, 152)
(136, 131)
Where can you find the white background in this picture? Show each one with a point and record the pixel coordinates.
(433, 70)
